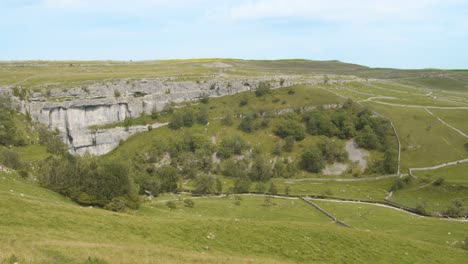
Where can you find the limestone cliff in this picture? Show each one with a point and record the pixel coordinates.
(73, 111)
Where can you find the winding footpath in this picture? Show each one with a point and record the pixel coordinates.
(448, 125)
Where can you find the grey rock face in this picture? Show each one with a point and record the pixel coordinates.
(73, 111)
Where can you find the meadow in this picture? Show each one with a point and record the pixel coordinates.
(54, 230)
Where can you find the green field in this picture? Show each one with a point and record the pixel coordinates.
(379, 219)
(54, 230)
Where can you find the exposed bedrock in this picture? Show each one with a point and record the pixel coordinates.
(72, 111)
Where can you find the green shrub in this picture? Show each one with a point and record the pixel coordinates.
(438, 182)
(171, 205)
(262, 89)
(290, 128)
(312, 159)
(204, 98)
(10, 159)
(189, 203)
(273, 190)
(205, 184)
(243, 101)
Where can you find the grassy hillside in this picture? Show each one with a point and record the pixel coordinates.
(51, 229)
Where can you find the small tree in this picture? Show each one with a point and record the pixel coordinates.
(273, 190)
(260, 187)
(421, 208)
(154, 113)
(243, 101)
(438, 182)
(116, 93)
(261, 169)
(289, 143)
(456, 208)
(263, 89)
(219, 186)
(286, 190)
(204, 98)
(290, 128)
(247, 124)
(205, 184)
(127, 123)
(177, 121)
(242, 185)
(227, 120)
(171, 204)
(202, 116)
(312, 159)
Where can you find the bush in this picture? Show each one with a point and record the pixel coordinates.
(262, 89)
(290, 128)
(366, 138)
(421, 208)
(242, 185)
(332, 150)
(312, 159)
(227, 120)
(202, 116)
(189, 203)
(260, 170)
(91, 181)
(455, 209)
(233, 145)
(235, 169)
(177, 121)
(243, 101)
(205, 184)
(204, 98)
(273, 190)
(91, 260)
(390, 162)
(438, 182)
(289, 143)
(247, 124)
(154, 113)
(171, 205)
(10, 159)
(116, 93)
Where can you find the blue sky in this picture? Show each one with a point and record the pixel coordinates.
(385, 33)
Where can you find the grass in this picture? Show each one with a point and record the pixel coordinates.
(425, 141)
(375, 190)
(54, 230)
(457, 174)
(436, 198)
(455, 118)
(379, 219)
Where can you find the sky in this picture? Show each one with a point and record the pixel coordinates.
(376, 33)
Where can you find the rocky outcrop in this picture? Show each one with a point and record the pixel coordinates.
(72, 111)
